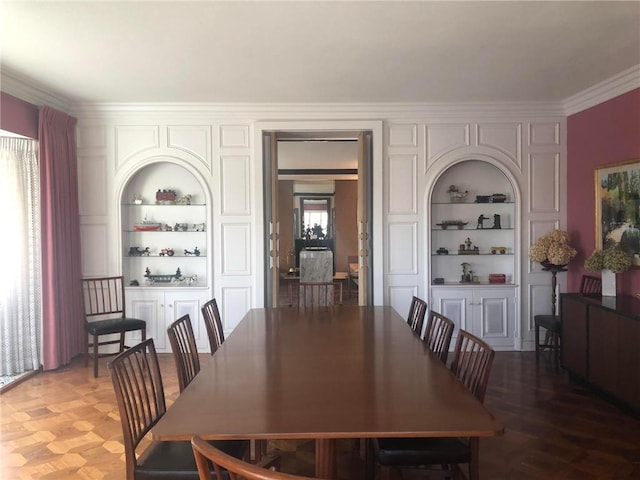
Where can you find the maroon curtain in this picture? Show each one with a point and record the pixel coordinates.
(62, 311)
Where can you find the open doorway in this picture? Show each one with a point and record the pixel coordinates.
(318, 196)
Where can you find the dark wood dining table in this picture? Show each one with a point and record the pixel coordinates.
(324, 374)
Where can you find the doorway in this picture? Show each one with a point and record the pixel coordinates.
(313, 187)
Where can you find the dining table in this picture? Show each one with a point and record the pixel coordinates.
(326, 374)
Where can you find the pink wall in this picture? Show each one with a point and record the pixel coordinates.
(18, 116)
(606, 133)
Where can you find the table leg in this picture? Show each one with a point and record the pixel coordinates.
(326, 458)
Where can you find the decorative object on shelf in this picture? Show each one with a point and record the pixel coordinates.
(134, 283)
(452, 223)
(481, 220)
(147, 225)
(167, 228)
(185, 200)
(442, 251)
(467, 248)
(497, 278)
(195, 252)
(167, 251)
(498, 198)
(501, 250)
(609, 262)
(198, 227)
(438, 281)
(191, 279)
(483, 198)
(136, 252)
(496, 222)
(617, 208)
(162, 278)
(181, 227)
(137, 200)
(456, 195)
(167, 197)
(467, 273)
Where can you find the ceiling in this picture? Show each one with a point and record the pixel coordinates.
(306, 52)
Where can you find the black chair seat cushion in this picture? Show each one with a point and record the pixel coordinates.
(175, 460)
(397, 452)
(114, 325)
(550, 322)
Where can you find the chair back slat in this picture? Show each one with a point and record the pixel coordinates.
(185, 351)
(472, 363)
(590, 285)
(437, 335)
(213, 324)
(226, 466)
(321, 294)
(137, 383)
(103, 297)
(417, 312)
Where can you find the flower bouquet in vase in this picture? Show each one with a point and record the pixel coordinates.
(609, 262)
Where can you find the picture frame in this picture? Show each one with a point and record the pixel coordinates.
(617, 189)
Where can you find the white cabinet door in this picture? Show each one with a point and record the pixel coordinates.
(488, 313)
(159, 308)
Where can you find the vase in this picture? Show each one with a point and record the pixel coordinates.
(551, 267)
(608, 283)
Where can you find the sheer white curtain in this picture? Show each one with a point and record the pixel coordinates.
(20, 280)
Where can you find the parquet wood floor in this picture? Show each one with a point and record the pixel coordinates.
(64, 425)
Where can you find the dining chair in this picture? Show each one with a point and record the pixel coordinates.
(209, 458)
(139, 391)
(437, 334)
(104, 314)
(324, 294)
(417, 312)
(589, 285)
(184, 349)
(213, 324)
(471, 364)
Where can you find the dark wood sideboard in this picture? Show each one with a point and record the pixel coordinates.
(601, 343)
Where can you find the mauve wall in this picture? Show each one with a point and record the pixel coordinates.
(18, 116)
(606, 133)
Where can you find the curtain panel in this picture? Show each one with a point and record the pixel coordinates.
(63, 334)
(20, 291)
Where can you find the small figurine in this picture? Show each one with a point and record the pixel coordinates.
(481, 220)
(195, 252)
(496, 222)
(456, 195)
(467, 274)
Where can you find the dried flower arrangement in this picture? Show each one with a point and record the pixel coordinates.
(613, 258)
(553, 248)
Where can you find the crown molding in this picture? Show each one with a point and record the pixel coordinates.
(617, 85)
(30, 91)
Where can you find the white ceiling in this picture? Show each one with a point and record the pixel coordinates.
(337, 51)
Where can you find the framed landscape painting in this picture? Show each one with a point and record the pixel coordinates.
(618, 207)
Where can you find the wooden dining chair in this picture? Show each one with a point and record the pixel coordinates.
(137, 383)
(417, 312)
(211, 459)
(589, 285)
(104, 313)
(437, 334)
(213, 324)
(313, 295)
(471, 364)
(184, 349)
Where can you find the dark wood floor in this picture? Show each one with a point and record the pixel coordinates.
(64, 425)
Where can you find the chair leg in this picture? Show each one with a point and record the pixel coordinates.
(537, 329)
(369, 460)
(474, 464)
(556, 352)
(95, 356)
(121, 346)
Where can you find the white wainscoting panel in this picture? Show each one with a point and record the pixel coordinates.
(544, 183)
(93, 195)
(403, 135)
(195, 140)
(544, 134)
(234, 136)
(400, 298)
(444, 138)
(235, 185)
(403, 248)
(504, 137)
(236, 302)
(94, 240)
(235, 249)
(131, 140)
(403, 184)
(494, 317)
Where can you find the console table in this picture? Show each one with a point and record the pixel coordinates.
(601, 343)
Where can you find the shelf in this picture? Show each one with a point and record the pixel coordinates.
(492, 230)
(164, 231)
(463, 285)
(472, 255)
(167, 257)
(164, 205)
(472, 203)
